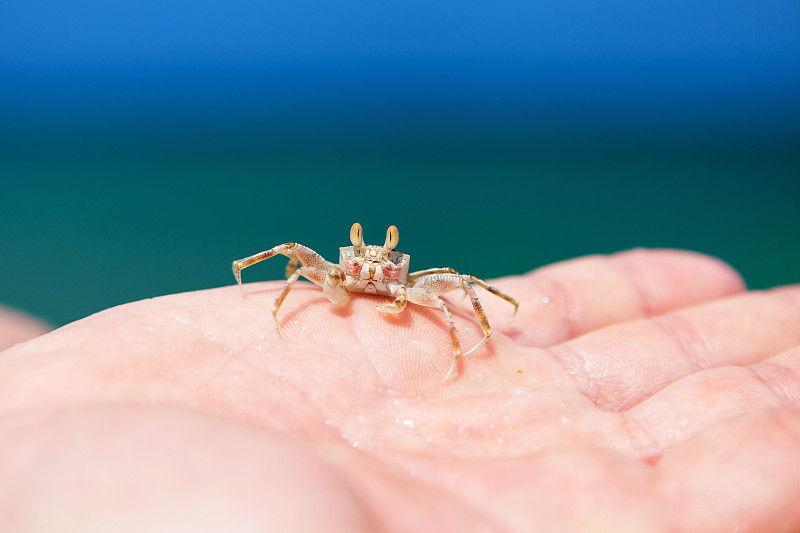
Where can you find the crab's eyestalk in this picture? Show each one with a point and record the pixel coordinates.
(357, 236)
(392, 238)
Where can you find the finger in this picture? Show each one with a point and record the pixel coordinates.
(565, 300)
(702, 400)
(16, 327)
(738, 476)
(619, 366)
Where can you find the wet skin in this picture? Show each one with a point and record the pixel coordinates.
(644, 391)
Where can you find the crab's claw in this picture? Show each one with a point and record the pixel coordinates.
(333, 288)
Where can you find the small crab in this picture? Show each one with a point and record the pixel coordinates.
(381, 270)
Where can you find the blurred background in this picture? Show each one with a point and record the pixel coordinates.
(145, 145)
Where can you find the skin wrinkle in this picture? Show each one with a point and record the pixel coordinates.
(692, 342)
(738, 380)
(590, 384)
(787, 372)
(593, 386)
(643, 444)
(577, 369)
(782, 396)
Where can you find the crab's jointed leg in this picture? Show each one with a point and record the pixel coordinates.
(313, 274)
(493, 290)
(398, 291)
(295, 252)
(428, 271)
(429, 297)
(427, 289)
(314, 268)
(291, 266)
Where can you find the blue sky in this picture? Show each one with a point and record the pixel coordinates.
(722, 61)
(91, 32)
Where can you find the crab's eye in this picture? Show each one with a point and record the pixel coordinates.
(392, 238)
(356, 236)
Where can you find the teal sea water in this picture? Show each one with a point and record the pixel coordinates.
(88, 226)
(141, 154)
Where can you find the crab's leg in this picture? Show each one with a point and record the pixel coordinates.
(291, 267)
(315, 275)
(398, 290)
(453, 338)
(493, 290)
(442, 281)
(427, 291)
(295, 252)
(427, 272)
(421, 296)
(476, 305)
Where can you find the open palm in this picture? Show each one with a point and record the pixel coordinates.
(645, 391)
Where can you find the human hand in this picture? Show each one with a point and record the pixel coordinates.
(645, 391)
